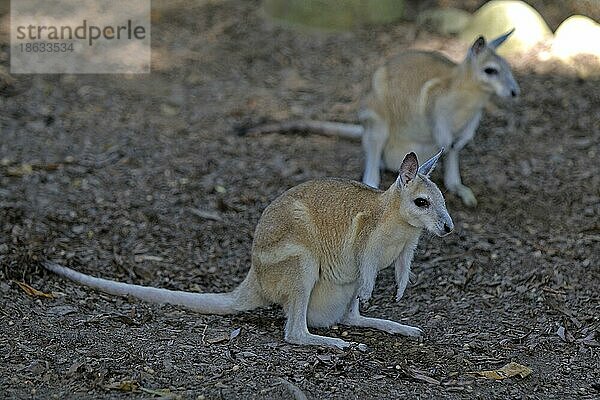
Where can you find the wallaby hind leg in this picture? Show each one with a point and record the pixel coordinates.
(452, 179)
(353, 318)
(374, 138)
(296, 328)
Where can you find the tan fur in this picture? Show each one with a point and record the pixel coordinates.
(317, 249)
(422, 100)
(405, 96)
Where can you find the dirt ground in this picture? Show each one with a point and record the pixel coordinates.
(106, 174)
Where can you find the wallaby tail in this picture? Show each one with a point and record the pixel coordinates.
(245, 297)
(326, 128)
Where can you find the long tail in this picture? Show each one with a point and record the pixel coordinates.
(245, 297)
(326, 128)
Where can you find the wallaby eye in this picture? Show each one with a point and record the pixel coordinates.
(421, 202)
(491, 71)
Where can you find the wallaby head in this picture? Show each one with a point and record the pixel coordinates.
(490, 70)
(422, 204)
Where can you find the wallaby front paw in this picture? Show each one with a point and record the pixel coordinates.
(371, 182)
(411, 331)
(316, 340)
(466, 195)
(403, 330)
(399, 295)
(396, 328)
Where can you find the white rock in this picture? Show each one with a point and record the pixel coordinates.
(577, 35)
(499, 16)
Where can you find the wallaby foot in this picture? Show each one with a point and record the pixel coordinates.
(384, 325)
(296, 327)
(353, 318)
(466, 195)
(316, 340)
(371, 178)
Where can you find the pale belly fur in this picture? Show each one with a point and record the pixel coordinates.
(329, 302)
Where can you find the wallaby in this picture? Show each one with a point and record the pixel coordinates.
(421, 101)
(317, 250)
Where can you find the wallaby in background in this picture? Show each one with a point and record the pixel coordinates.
(317, 250)
(421, 101)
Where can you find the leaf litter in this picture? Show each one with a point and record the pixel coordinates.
(508, 371)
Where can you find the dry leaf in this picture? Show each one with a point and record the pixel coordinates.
(33, 292)
(124, 386)
(60, 311)
(509, 370)
(564, 334)
(425, 378)
(418, 375)
(206, 214)
(235, 333)
(145, 257)
(75, 367)
(22, 170)
(218, 339)
(561, 333)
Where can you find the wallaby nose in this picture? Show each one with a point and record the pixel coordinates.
(447, 228)
(515, 91)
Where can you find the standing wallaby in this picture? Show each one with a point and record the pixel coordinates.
(421, 101)
(317, 250)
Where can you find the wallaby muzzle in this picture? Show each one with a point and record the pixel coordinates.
(445, 226)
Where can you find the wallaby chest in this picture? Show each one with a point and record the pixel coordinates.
(456, 108)
(386, 244)
(366, 242)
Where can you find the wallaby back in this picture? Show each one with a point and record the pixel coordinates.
(399, 86)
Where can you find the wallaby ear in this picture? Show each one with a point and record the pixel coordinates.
(408, 169)
(477, 46)
(429, 165)
(494, 44)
